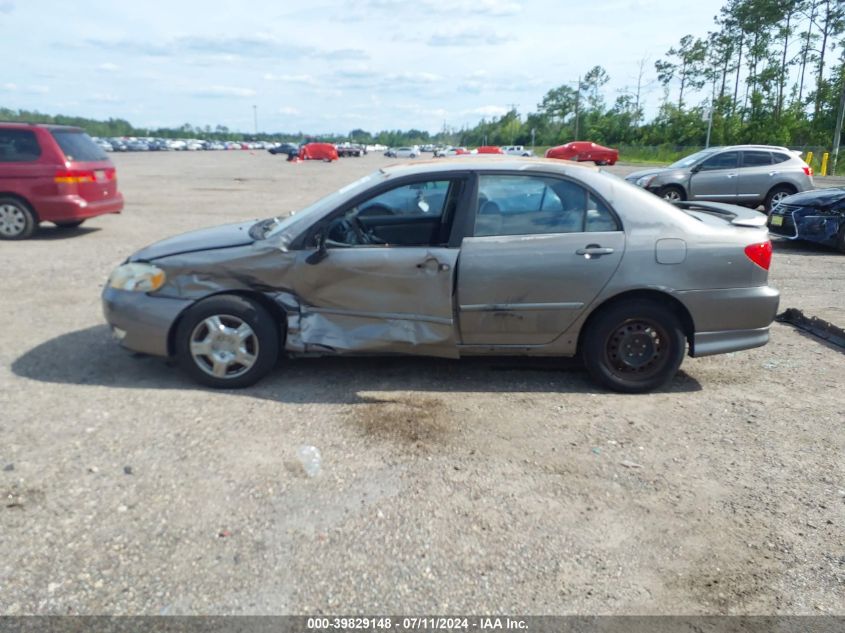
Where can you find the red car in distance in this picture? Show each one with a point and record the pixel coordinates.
(52, 173)
(490, 149)
(584, 151)
(318, 151)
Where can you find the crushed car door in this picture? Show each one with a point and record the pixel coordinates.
(386, 297)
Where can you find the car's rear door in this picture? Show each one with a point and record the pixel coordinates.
(716, 178)
(392, 297)
(541, 250)
(756, 175)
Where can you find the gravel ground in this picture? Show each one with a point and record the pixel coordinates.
(447, 486)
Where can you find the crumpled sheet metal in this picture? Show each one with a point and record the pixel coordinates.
(332, 306)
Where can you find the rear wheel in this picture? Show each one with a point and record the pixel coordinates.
(634, 347)
(672, 193)
(17, 221)
(70, 224)
(777, 194)
(227, 342)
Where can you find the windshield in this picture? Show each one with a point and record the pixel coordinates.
(287, 228)
(692, 159)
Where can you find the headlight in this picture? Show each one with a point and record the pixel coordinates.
(137, 277)
(645, 181)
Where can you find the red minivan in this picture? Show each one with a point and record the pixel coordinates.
(52, 173)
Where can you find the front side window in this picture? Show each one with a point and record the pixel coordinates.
(417, 199)
(18, 146)
(530, 205)
(725, 160)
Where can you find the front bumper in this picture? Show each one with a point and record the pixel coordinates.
(142, 322)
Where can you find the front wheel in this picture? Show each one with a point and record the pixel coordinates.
(227, 342)
(671, 193)
(634, 347)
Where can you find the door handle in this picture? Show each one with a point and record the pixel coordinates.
(731, 175)
(593, 250)
(773, 173)
(433, 265)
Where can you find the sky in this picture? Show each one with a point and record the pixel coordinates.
(327, 66)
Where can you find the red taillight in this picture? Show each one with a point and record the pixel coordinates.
(760, 254)
(74, 176)
(808, 170)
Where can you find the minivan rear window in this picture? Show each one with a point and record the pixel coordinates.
(18, 146)
(78, 146)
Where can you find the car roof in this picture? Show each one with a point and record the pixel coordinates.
(48, 126)
(483, 162)
(750, 146)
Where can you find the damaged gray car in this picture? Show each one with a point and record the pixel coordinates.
(504, 256)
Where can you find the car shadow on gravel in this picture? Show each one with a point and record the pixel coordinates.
(92, 357)
(47, 233)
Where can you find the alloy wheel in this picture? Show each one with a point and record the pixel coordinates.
(224, 346)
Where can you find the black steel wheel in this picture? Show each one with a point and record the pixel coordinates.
(634, 346)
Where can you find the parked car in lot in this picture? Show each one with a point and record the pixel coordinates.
(318, 151)
(285, 148)
(405, 152)
(52, 173)
(519, 257)
(584, 151)
(489, 149)
(451, 151)
(814, 216)
(517, 150)
(750, 175)
(347, 149)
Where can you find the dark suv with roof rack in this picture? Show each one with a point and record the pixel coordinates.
(52, 173)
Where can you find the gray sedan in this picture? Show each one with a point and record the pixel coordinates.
(750, 175)
(503, 256)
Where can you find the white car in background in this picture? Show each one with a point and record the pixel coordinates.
(517, 150)
(406, 152)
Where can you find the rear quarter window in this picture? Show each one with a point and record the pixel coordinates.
(780, 157)
(78, 146)
(18, 146)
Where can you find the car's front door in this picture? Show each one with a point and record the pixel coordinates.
(385, 297)
(541, 250)
(716, 178)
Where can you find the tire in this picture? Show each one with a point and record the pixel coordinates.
(671, 193)
(69, 225)
(654, 345)
(776, 194)
(17, 221)
(235, 358)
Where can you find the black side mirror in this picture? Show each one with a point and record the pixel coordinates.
(322, 251)
(695, 169)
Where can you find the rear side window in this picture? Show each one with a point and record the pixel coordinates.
(756, 159)
(78, 146)
(18, 146)
(780, 157)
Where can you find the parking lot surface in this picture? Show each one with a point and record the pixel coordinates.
(482, 485)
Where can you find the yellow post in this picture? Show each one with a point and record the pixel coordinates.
(825, 156)
(810, 158)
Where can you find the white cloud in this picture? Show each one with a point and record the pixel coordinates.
(469, 37)
(109, 67)
(291, 79)
(225, 91)
(488, 111)
(288, 111)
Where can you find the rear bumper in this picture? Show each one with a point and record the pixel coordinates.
(730, 319)
(142, 322)
(72, 207)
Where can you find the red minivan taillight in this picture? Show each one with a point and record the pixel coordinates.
(760, 254)
(69, 176)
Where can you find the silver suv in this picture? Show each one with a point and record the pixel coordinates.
(749, 175)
